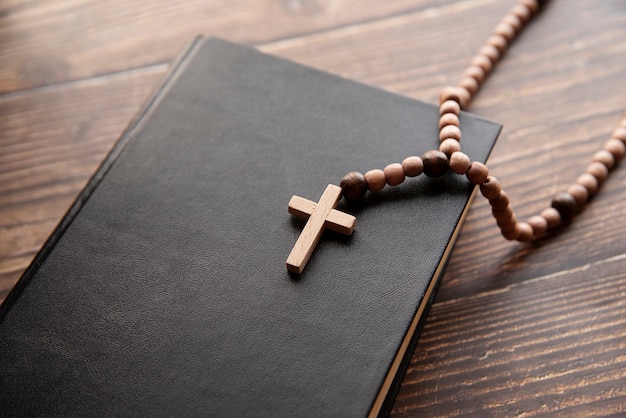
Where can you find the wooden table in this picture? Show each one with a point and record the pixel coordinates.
(516, 329)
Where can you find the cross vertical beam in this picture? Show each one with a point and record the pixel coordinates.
(321, 215)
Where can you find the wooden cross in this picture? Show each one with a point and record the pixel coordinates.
(321, 215)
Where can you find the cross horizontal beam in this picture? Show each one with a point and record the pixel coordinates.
(321, 215)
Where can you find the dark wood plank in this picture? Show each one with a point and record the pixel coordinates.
(515, 328)
(48, 42)
(534, 346)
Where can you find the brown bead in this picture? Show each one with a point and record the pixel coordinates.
(512, 234)
(503, 215)
(589, 182)
(579, 193)
(459, 162)
(470, 84)
(616, 148)
(620, 133)
(413, 166)
(508, 225)
(490, 52)
(449, 146)
(526, 232)
(449, 93)
(539, 224)
(552, 216)
(376, 180)
(500, 202)
(511, 225)
(514, 21)
(450, 131)
(532, 5)
(353, 186)
(505, 221)
(604, 157)
(476, 73)
(465, 96)
(599, 171)
(435, 163)
(499, 42)
(483, 62)
(505, 30)
(448, 119)
(477, 172)
(566, 205)
(521, 12)
(394, 173)
(490, 188)
(449, 106)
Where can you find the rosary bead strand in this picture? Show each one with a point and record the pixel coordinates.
(435, 163)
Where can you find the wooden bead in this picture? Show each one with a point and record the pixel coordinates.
(394, 173)
(616, 147)
(435, 163)
(503, 215)
(579, 193)
(589, 182)
(521, 12)
(501, 202)
(512, 234)
(599, 171)
(552, 217)
(375, 179)
(505, 30)
(532, 5)
(450, 146)
(476, 73)
(450, 131)
(507, 224)
(448, 119)
(490, 52)
(565, 204)
(483, 62)
(477, 172)
(353, 186)
(620, 133)
(490, 188)
(499, 42)
(526, 232)
(604, 157)
(449, 106)
(470, 84)
(465, 96)
(450, 93)
(514, 21)
(459, 162)
(413, 166)
(539, 224)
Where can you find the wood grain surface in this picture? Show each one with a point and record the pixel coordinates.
(516, 329)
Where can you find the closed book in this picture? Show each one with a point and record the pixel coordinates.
(164, 290)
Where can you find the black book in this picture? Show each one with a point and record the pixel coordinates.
(164, 289)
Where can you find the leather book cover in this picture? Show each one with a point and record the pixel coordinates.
(164, 291)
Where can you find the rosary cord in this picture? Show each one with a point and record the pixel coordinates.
(436, 163)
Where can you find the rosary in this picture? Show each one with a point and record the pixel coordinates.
(436, 163)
